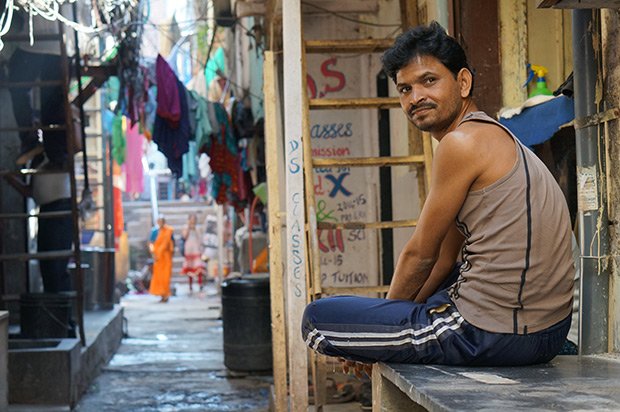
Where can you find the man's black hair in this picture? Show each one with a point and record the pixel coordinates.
(431, 40)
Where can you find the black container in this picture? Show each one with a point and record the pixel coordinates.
(246, 315)
(46, 315)
(99, 281)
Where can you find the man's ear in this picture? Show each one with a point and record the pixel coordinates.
(465, 80)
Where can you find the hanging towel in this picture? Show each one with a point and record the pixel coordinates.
(168, 98)
(133, 166)
(174, 142)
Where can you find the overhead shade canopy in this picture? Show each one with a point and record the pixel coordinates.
(537, 123)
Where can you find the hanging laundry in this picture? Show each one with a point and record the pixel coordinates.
(169, 100)
(220, 91)
(118, 139)
(198, 84)
(173, 142)
(223, 155)
(190, 163)
(242, 119)
(203, 128)
(133, 166)
(150, 109)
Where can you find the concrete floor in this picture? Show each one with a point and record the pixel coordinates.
(173, 360)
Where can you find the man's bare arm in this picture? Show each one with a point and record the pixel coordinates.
(448, 254)
(454, 170)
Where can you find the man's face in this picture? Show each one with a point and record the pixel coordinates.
(429, 94)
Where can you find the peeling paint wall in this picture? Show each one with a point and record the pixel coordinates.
(549, 42)
(611, 87)
(513, 51)
(532, 35)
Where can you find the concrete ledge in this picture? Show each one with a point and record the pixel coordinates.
(58, 371)
(566, 383)
(4, 358)
(104, 333)
(43, 371)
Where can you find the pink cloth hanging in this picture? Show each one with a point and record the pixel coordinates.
(133, 161)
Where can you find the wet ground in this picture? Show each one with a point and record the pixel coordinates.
(172, 360)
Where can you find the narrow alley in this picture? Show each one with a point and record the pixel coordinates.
(172, 360)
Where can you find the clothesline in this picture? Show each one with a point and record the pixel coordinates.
(184, 124)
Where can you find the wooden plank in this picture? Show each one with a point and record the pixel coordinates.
(104, 71)
(428, 160)
(40, 215)
(29, 84)
(408, 14)
(313, 240)
(359, 103)
(367, 161)
(78, 277)
(26, 37)
(48, 128)
(295, 207)
(276, 269)
(355, 290)
(348, 46)
(368, 225)
(89, 90)
(542, 4)
(319, 373)
(39, 255)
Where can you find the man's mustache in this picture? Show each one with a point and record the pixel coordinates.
(416, 107)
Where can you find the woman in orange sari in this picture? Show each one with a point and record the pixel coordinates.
(162, 248)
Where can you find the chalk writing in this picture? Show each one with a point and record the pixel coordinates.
(335, 240)
(336, 260)
(331, 130)
(354, 216)
(294, 167)
(334, 236)
(330, 151)
(297, 259)
(348, 204)
(338, 182)
(321, 214)
(356, 234)
(329, 76)
(346, 278)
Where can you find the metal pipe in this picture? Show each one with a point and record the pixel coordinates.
(593, 221)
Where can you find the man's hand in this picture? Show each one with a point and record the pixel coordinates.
(358, 368)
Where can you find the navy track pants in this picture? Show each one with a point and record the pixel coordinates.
(372, 329)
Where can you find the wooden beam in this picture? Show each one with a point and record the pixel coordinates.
(348, 46)
(276, 269)
(247, 8)
(547, 3)
(408, 14)
(354, 290)
(89, 90)
(368, 161)
(368, 225)
(295, 204)
(104, 71)
(359, 103)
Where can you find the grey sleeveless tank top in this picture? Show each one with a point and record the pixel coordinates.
(517, 275)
